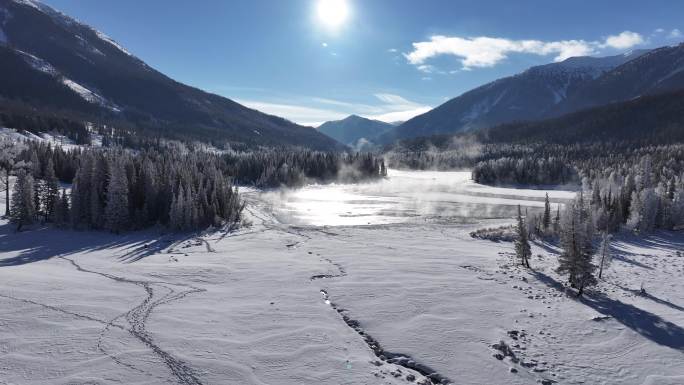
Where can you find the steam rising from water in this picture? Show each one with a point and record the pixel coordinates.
(405, 196)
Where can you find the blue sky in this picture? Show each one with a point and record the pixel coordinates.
(388, 59)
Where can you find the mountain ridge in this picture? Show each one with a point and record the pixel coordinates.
(354, 128)
(59, 54)
(537, 93)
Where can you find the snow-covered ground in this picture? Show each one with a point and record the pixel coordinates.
(54, 139)
(279, 303)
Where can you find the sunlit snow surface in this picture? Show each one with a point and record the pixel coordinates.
(405, 196)
(249, 306)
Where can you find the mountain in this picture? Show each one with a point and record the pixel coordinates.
(51, 62)
(656, 118)
(649, 119)
(537, 93)
(353, 128)
(657, 71)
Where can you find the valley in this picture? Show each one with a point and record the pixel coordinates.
(281, 303)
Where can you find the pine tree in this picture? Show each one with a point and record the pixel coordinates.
(557, 219)
(23, 210)
(576, 242)
(522, 246)
(9, 152)
(51, 191)
(61, 214)
(116, 210)
(604, 251)
(546, 219)
(81, 192)
(39, 189)
(98, 191)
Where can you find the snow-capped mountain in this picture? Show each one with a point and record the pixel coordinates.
(539, 92)
(51, 62)
(353, 128)
(657, 71)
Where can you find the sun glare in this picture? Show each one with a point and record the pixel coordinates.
(332, 13)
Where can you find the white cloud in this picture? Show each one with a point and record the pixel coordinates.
(394, 100)
(396, 108)
(675, 34)
(479, 52)
(426, 68)
(400, 116)
(324, 44)
(624, 40)
(393, 50)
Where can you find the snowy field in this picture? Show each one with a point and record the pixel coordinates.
(311, 293)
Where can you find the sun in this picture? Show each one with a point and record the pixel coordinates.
(332, 13)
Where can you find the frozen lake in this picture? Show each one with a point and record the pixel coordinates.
(405, 196)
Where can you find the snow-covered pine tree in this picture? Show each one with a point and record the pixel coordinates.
(23, 211)
(61, 214)
(116, 210)
(81, 192)
(576, 243)
(604, 253)
(39, 189)
(50, 196)
(557, 219)
(9, 152)
(546, 219)
(522, 246)
(34, 165)
(98, 191)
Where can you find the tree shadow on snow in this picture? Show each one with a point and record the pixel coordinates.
(620, 256)
(44, 243)
(660, 240)
(647, 324)
(647, 295)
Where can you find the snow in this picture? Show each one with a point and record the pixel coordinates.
(66, 20)
(86, 94)
(249, 307)
(53, 138)
(84, 43)
(111, 41)
(38, 64)
(90, 96)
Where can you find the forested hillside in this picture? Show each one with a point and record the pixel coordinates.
(62, 67)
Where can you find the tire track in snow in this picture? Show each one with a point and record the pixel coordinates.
(58, 309)
(430, 375)
(138, 316)
(206, 244)
(341, 271)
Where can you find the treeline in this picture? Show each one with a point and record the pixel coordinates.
(120, 190)
(173, 186)
(640, 190)
(274, 168)
(532, 170)
(546, 164)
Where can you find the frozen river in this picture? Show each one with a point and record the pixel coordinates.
(403, 197)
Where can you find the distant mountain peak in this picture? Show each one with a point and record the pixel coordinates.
(354, 127)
